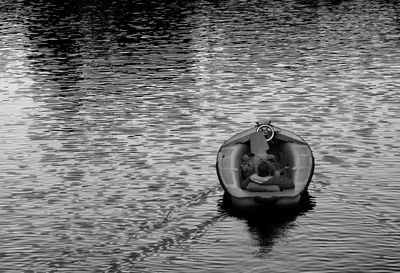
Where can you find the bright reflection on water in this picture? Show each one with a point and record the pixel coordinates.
(111, 114)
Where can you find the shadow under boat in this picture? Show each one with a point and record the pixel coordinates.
(268, 224)
(268, 213)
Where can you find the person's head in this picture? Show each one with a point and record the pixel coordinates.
(264, 169)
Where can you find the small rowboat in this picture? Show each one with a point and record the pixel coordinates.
(288, 148)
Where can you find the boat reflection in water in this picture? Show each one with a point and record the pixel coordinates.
(268, 224)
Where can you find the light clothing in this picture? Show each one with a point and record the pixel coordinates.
(260, 179)
(257, 187)
(259, 183)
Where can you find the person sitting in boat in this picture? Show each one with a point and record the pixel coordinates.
(268, 179)
(249, 163)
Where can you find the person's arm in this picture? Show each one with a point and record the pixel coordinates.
(245, 182)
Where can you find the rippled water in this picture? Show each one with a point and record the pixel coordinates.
(111, 114)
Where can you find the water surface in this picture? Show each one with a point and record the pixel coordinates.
(112, 112)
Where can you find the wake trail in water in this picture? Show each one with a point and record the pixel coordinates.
(180, 225)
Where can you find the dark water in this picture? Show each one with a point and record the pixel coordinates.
(111, 114)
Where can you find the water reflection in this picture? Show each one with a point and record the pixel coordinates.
(102, 69)
(113, 126)
(268, 225)
(113, 112)
(316, 3)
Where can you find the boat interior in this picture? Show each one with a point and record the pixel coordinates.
(288, 150)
